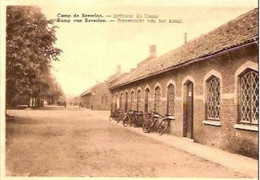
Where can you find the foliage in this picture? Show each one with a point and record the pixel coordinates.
(29, 51)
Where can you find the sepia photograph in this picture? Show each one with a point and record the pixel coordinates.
(127, 88)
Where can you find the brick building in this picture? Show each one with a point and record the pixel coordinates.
(98, 97)
(210, 85)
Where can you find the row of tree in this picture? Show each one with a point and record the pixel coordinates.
(30, 49)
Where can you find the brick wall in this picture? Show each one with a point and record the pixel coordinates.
(225, 66)
(98, 99)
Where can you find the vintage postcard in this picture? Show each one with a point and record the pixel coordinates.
(127, 88)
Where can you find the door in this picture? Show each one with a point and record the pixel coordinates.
(188, 110)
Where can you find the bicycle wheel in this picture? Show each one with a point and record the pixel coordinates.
(126, 121)
(119, 118)
(162, 127)
(146, 127)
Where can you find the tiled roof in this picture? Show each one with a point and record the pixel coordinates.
(242, 30)
(92, 89)
(86, 92)
(116, 79)
(114, 76)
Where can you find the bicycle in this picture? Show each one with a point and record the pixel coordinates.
(150, 124)
(164, 124)
(133, 117)
(120, 116)
(127, 120)
(139, 120)
(114, 114)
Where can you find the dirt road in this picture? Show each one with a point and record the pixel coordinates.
(75, 142)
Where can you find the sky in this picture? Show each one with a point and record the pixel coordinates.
(92, 51)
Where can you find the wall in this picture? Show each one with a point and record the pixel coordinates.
(86, 101)
(98, 99)
(223, 136)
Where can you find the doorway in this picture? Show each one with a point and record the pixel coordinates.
(188, 110)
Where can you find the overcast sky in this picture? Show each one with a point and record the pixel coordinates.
(91, 51)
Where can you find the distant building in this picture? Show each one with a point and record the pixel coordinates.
(98, 97)
(209, 84)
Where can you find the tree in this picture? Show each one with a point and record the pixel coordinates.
(29, 51)
(54, 92)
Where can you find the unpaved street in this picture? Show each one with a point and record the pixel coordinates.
(75, 142)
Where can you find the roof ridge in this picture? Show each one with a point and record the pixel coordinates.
(233, 33)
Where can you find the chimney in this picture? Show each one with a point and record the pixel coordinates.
(185, 38)
(152, 50)
(118, 69)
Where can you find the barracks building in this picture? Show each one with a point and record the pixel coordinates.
(210, 85)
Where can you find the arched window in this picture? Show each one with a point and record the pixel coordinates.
(112, 102)
(138, 105)
(170, 99)
(126, 101)
(248, 97)
(121, 101)
(213, 98)
(116, 102)
(146, 101)
(132, 100)
(157, 99)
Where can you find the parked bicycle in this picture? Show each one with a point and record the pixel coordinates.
(120, 116)
(139, 120)
(151, 123)
(114, 114)
(133, 117)
(127, 120)
(164, 124)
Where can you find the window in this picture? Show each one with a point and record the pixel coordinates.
(132, 100)
(170, 99)
(248, 97)
(116, 102)
(120, 101)
(157, 99)
(126, 101)
(138, 105)
(146, 103)
(213, 98)
(105, 99)
(112, 102)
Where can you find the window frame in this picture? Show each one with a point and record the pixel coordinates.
(240, 75)
(146, 99)
(206, 98)
(168, 101)
(132, 97)
(159, 99)
(121, 101)
(138, 100)
(126, 101)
